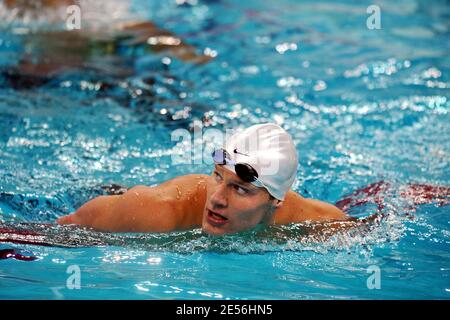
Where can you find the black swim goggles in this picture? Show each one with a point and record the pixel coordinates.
(243, 170)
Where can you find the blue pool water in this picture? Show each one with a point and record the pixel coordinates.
(362, 106)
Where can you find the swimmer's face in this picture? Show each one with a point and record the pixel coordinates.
(233, 205)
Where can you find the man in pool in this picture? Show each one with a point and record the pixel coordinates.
(249, 186)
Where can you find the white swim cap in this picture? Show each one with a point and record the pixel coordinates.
(269, 149)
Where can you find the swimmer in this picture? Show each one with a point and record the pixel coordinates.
(250, 185)
(50, 53)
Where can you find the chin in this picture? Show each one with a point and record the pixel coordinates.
(212, 231)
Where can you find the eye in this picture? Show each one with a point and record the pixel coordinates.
(240, 190)
(217, 176)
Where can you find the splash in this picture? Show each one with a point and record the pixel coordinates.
(317, 237)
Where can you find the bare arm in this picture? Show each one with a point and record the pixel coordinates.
(140, 209)
(96, 214)
(176, 204)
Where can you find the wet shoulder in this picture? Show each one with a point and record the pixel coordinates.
(187, 196)
(184, 187)
(299, 209)
(292, 209)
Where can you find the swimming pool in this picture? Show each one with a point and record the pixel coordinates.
(362, 106)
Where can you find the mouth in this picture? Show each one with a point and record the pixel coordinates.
(216, 219)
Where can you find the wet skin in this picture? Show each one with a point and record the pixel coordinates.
(220, 204)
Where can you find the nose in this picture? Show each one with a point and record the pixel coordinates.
(219, 197)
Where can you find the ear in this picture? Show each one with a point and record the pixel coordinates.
(277, 203)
